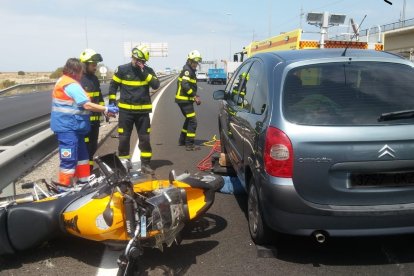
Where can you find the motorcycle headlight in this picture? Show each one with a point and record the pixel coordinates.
(168, 209)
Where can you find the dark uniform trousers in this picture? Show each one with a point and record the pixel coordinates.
(127, 120)
(92, 86)
(91, 140)
(134, 107)
(188, 131)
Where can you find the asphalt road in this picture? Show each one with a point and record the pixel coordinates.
(219, 243)
(19, 108)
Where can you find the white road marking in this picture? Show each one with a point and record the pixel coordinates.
(137, 153)
(108, 265)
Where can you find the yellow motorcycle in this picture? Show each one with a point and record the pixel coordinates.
(117, 207)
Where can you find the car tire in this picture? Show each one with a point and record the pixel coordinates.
(259, 231)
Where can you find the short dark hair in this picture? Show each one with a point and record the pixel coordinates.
(72, 67)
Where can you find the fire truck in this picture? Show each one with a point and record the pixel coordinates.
(293, 41)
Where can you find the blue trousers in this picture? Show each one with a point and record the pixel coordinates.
(74, 158)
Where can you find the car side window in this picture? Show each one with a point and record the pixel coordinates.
(253, 90)
(238, 86)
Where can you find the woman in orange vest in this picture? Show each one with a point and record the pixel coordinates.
(71, 109)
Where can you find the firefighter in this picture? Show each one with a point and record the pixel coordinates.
(239, 90)
(134, 80)
(91, 85)
(185, 97)
(69, 120)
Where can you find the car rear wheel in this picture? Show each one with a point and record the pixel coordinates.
(259, 231)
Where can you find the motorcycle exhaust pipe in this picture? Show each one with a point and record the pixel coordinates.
(320, 236)
(23, 198)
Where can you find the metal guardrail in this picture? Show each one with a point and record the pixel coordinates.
(17, 159)
(28, 87)
(389, 27)
(384, 28)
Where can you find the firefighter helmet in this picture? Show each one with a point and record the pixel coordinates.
(141, 52)
(195, 56)
(89, 55)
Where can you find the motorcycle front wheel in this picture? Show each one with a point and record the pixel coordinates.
(131, 269)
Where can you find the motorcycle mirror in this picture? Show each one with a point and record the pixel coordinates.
(108, 215)
(171, 176)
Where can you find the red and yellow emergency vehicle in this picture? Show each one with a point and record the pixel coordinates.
(293, 41)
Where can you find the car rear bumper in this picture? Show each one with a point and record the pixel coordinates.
(286, 212)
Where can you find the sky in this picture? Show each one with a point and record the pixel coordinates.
(40, 35)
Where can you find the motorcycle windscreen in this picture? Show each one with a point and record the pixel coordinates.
(113, 165)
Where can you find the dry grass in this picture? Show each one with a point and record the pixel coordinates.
(28, 77)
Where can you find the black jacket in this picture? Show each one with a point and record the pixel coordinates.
(134, 85)
(92, 86)
(186, 85)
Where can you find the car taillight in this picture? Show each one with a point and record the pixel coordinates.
(278, 155)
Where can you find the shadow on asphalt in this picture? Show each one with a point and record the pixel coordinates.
(174, 260)
(156, 164)
(47, 255)
(177, 259)
(344, 251)
(204, 227)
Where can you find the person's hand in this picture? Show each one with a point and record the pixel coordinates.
(112, 109)
(140, 64)
(197, 100)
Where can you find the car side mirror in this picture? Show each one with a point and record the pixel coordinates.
(219, 95)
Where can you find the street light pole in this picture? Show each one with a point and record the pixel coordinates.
(403, 13)
(229, 14)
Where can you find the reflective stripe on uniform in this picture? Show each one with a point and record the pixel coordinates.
(86, 139)
(178, 95)
(83, 162)
(94, 118)
(112, 97)
(192, 135)
(124, 157)
(135, 107)
(184, 131)
(184, 98)
(149, 130)
(70, 111)
(66, 171)
(146, 154)
(93, 94)
(120, 130)
(187, 79)
(189, 115)
(62, 102)
(149, 78)
(101, 103)
(132, 83)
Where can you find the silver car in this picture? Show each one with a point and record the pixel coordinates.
(323, 142)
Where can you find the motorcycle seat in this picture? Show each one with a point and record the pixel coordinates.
(31, 224)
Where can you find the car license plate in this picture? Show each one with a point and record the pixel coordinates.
(374, 180)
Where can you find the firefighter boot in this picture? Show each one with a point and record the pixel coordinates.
(181, 140)
(191, 147)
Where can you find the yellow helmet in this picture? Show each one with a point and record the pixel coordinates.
(141, 52)
(195, 56)
(89, 55)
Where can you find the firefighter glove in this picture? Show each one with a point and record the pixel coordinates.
(112, 109)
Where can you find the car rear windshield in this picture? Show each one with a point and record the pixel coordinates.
(351, 93)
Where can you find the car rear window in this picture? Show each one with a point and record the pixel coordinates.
(351, 93)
